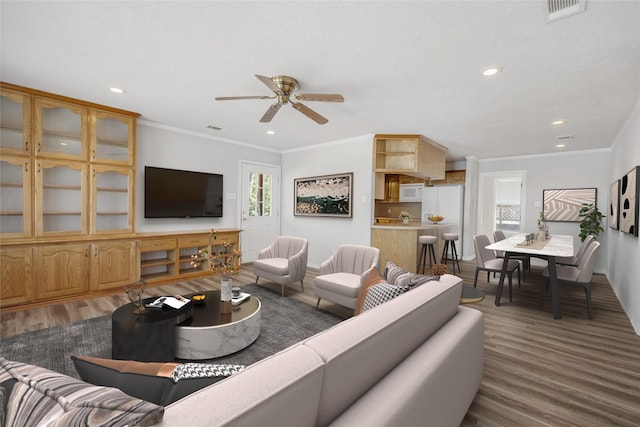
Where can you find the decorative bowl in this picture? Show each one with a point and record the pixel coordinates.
(199, 299)
(435, 218)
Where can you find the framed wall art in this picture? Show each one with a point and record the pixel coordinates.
(563, 205)
(614, 204)
(629, 201)
(328, 195)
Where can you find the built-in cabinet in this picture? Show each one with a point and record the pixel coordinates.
(165, 257)
(67, 171)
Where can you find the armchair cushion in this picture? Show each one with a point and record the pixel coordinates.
(278, 266)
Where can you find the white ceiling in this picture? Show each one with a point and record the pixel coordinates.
(402, 67)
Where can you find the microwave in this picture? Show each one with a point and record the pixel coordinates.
(411, 192)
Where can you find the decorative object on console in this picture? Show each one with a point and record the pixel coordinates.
(225, 261)
(328, 195)
(134, 292)
(629, 206)
(564, 205)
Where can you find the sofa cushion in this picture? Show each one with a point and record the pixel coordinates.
(150, 381)
(381, 293)
(377, 340)
(43, 397)
(396, 275)
(368, 278)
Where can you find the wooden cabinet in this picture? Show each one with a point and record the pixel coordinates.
(62, 270)
(166, 257)
(17, 276)
(114, 265)
(413, 155)
(83, 158)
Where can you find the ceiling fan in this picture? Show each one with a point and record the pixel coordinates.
(284, 88)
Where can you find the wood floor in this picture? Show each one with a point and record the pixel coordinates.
(537, 372)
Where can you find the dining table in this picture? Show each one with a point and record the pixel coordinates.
(548, 249)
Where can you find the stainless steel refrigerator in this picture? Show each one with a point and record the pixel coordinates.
(447, 201)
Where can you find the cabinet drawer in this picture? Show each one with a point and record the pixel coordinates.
(193, 241)
(157, 244)
(228, 237)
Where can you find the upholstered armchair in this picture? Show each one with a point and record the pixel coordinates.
(339, 278)
(283, 262)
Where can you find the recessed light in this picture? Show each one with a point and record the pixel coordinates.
(116, 90)
(271, 132)
(558, 122)
(559, 145)
(491, 71)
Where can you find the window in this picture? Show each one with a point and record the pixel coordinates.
(260, 194)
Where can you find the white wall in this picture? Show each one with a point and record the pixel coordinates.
(171, 148)
(325, 233)
(578, 169)
(623, 249)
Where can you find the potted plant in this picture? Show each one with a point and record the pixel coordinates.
(590, 221)
(404, 217)
(224, 260)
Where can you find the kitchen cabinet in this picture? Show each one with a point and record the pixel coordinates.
(413, 155)
(17, 276)
(114, 265)
(62, 270)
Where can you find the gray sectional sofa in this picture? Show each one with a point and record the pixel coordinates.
(416, 360)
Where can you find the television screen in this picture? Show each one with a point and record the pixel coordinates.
(170, 193)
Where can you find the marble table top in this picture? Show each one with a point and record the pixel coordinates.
(558, 245)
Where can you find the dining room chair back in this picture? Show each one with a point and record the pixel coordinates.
(574, 260)
(486, 260)
(525, 259)
(580, 275)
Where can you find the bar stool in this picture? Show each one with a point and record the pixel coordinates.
(450, 242)
(427, 243)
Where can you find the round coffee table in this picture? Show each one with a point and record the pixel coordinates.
(471, 295)
(208, 333)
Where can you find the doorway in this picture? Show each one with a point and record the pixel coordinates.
(501, 204)
(260, 207)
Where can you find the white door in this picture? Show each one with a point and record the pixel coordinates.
(501, 203)
(260, 196)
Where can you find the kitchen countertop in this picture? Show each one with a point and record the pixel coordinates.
(414, 225)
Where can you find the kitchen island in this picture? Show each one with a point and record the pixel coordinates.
(399, 243)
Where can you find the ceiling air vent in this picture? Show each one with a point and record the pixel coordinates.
(565, 138)
(558, 9)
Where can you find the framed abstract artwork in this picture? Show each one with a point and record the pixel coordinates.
(563, 205)
(614, 205)
(328, 195)
(629, 201)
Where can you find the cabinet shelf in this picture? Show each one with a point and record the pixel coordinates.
(61, 213)
(113, 190)
(61, 187)
(11, 184)
(156, 262)
(13, 126)
(12, 213)
(113, 142)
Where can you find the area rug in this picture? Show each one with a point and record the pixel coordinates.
(285, 321)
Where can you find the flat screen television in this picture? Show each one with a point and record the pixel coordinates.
(172, 193)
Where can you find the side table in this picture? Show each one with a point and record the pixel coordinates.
(147, 337)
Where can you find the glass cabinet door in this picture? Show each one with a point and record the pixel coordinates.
(112, 140)
(61, 197)
(112, 199)
(60, 129)
(15, 122)
(15, 196)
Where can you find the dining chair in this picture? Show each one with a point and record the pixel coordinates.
(578, 275)
(486, 260)
(525, 259)
(574, 260)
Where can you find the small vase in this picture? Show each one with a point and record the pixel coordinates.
(226, 286)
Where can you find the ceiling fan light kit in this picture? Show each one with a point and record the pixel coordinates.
(284, 87)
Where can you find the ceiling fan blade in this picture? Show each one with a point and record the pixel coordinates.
(273, 109)
(270, 83)
(328, 97)
(230, 98)
(309, 113)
